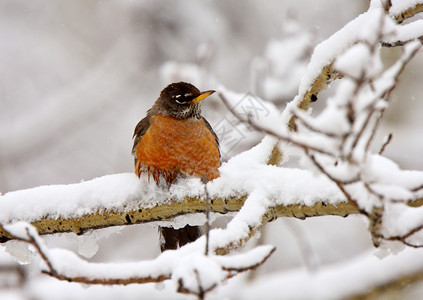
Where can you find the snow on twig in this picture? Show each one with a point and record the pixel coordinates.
(337, 141)
(181, 265)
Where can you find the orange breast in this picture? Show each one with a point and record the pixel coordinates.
(172, 148)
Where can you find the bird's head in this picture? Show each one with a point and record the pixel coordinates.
(180, 100)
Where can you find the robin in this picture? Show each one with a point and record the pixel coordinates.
(174, 141)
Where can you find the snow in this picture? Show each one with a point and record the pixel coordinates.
(407, 32)
(250, 216)
(271, 119)
(20, 229)
(237, 261)
(251, 106)
(288, 49)
(196, 270)
(51, 289)
(245, 174)
(361, 28)
(400, 219)
(242, 175)
(359, 61)
(336, 281)
(334, 112)
(384, 171)
(349, 63)
(88, 242)
(364, 28)
(248, 172)
(5, 259)
(279, 71)
(20, 252)
(109, 192)
(187, 265)
(179, 264)
(69, 264)
(399, 6)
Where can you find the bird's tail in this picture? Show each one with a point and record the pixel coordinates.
(174, 238)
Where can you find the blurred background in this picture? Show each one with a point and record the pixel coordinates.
(76, 77)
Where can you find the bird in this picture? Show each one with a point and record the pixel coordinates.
(175, 141)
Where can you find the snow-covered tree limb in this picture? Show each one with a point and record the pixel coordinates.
(95, 219)
(403, 10)
(363, 277)
(391, 285)
(134, 205)
(320, 71)
(209, 271)
(340, 176)
(337, 142)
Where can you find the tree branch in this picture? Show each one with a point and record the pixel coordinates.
(409, 13)
(169, 211)
(320, 83)
(389, 288)
(108, 274)
(328, 74)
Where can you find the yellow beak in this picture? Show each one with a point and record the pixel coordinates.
(202, 96)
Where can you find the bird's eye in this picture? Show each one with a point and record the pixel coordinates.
(176, 99)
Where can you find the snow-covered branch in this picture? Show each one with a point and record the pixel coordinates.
(194, 273)
(337, 142)
(122, 199)
(363, 277)
(335, 171)
(321, 72)
(401, 10)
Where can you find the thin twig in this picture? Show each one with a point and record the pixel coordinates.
(361, 131)
(398, 43)
(373, 47)
(312, 128)
(279, 136)
(337, 182)
(51, 270)
(234, 271)
(207, 225)
(201, 293)
(417, 188)
(374, 129)
(34, 240)
(403, 238)
(405, 59)
(385, 143)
